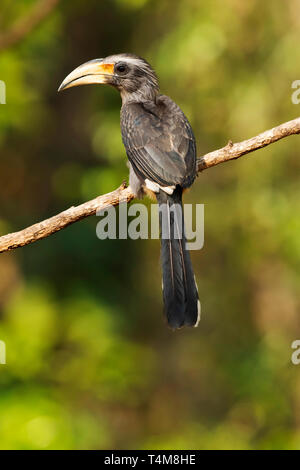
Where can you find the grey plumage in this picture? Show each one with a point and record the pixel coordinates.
(161, 147)
(179, 287)
(159, 141)
(161, 150)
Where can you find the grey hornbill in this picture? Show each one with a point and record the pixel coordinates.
(161, 149)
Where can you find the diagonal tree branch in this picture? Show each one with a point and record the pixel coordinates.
(26, 24)
(63, 219)
(230, 152)
(233, 151)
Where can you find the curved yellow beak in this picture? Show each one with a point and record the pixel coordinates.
(94, 71)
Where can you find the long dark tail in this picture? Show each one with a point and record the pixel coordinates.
(180, 294)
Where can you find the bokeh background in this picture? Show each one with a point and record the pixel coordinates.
(90, 361)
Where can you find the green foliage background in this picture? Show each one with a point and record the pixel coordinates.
(90, 361)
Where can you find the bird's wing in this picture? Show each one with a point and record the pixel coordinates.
(159, 142)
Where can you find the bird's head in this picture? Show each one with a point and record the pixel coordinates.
(130, 74)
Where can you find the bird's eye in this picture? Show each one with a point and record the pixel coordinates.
(121, 68)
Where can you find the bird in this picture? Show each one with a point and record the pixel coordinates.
(161, 150)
